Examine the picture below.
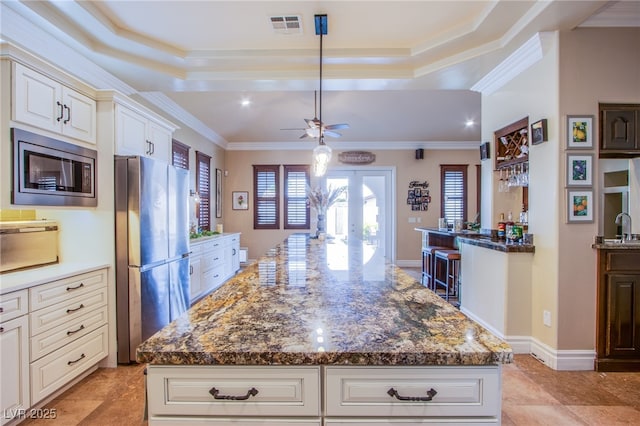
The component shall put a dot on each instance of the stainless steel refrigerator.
(152, 249)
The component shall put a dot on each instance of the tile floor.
(532, 394)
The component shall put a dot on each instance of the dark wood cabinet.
(618, 316)
(619, 127)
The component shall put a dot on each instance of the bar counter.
(274, 311)
(438, 237)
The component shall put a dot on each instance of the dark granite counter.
(474, 238)
(311, 302)
(617, 246)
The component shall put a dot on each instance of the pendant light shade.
(321, 158)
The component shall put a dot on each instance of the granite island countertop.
(312, 302)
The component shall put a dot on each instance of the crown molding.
(516, 63)
(364, 146)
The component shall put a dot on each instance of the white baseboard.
(409, 263)
(565, 360)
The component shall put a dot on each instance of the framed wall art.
(240, 200)
(580, 170)
(484, 151)
(580, 206)
(580, 131)
(218, 193)
(539, 132)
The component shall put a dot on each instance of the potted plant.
(320, 199)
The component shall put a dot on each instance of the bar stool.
(450, 260)
(428, 265)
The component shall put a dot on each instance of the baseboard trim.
(565, 360)
(409, 263)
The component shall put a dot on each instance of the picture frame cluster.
(579, 169)
(418, 196)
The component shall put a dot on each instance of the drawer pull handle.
(77, 360)
(76, 309)
(1, 309)
(216, 395)
(76, 287)
(1, 329)
(430, 394)
(70, 332)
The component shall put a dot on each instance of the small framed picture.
(484, 151)
(580, 170)
(240, 200)
(539, 132)
(580, 206)
(580, 131)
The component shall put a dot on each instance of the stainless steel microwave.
(49, 172)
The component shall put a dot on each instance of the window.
(179, 154)
(266, 197)
(296, 207)
(203, 183)
(453, 184)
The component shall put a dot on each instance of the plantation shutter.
(266, 195)
(203, 183)
(296, 211)
(454, 192)
(179, 154)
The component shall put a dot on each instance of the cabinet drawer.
(62, 313)
(622, 260)
(213, 278)
(51, 372)
(236, 421)
(460, 391)
(290, 391)
(65, 333)
(212, 259)
(58, 291)
(14, 304)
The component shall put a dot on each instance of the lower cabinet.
(213, 261)
(618, 314)
(50, 334)
(329, 395)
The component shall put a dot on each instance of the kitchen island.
(311, 333)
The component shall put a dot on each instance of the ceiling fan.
(315, 127)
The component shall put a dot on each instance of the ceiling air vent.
(287, 24)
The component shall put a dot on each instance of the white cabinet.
(140, 134)
(14, 355)
(328, 395)
(213, 261)
(47, 104)
(68, 330)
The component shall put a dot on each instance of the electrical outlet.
(546, 318)
(412, 220)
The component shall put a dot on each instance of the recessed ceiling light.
(469, 123)
(245, 102)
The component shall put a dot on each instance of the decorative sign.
(356, 157)
(418, 196)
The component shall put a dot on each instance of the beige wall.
(596, 65)
(240, 178)
(533, 94)
(579, 69)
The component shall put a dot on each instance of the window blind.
(454, 192)
(296, 211)
(266, 195)
(179, 154)
(203, 183)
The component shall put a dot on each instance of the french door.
(364, 217)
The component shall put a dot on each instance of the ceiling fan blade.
(304, 135)
(337, 126)
(294, 128)
(332, 134)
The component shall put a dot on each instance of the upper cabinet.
(42, 102)
(619, 126)
(140, 134)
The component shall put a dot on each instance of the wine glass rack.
(512, 144)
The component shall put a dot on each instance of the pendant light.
(322, 152)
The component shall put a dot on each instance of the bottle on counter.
(502, 228)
